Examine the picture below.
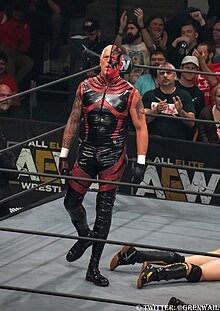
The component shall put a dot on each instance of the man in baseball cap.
(91, 25)
(93, 42)
(187, 83)
(190, 60)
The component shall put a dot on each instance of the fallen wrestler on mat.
(172, 266)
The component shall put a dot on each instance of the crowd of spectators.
(192, 44)
(189, 41)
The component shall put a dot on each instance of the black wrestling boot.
(93, 274)
(175, 303)
(170, 272)
(128, 255)
(79, 248)
(105, 201)
(77, 212)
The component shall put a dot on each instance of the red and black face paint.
(111, 61)
(115, 59)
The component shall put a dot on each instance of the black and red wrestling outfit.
(102, 153)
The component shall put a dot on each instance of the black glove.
(64, 167)
(138, 173)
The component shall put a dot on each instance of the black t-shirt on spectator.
(168, 127)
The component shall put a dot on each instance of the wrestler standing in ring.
(106, 103)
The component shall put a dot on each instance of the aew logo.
(39, 157)
(177, 178)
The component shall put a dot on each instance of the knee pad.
(195, 274)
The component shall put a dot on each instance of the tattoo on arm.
(139, 109)
(73, 122)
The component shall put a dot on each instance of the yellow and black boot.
(170, 272)
(129, 255)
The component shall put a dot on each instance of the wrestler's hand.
(64, 167)
(138, 173)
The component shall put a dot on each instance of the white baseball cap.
(190, 59)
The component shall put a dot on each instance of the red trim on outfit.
(115, 112)
(113, 173)
(115, 134)
(80, 185)
(91, 107)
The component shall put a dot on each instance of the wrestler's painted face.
(110, 61)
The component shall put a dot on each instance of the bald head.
(5, 91)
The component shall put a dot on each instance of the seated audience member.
(155, 25)
(138, 42)
(192, 32)
(4, 77)
(7, 160)
(9, 107)
(14, 41)
(7, 79)
(216, 39)
(210, 132)
(93, 42)
(169, 100)
(149, 81)
(205, 52)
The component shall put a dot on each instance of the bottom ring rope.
(122, 243)
(66, 295)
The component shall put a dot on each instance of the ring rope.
(162, 115)
(16, 195)
(202, 169)
(97, 67)
(114, 242)
(106, 182)
(150, 162)
(33, 138)
(207, 73)
(63, 127)
(147, 162)
(37, 88)
(67, 295)
(88, 51)
(19, 194)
